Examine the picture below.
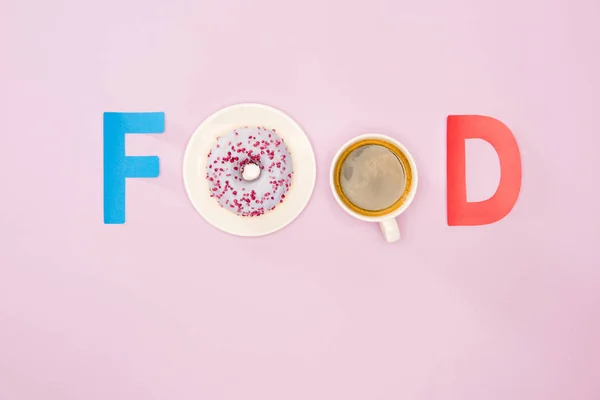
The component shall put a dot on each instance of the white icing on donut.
(249, 171)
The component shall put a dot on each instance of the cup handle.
(389, 228)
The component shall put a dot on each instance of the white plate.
(225, 121)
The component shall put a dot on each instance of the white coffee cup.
(385, 217)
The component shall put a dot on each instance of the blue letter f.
(118, 166)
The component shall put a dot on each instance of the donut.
(249, 171)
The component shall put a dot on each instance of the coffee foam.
(372, 178)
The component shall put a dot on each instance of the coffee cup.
(374, 178)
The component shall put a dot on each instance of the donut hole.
(250, 172)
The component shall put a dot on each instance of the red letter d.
(461, 212)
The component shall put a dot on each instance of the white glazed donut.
(249, 171)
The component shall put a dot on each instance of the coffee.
(372, 178)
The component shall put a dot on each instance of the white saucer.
(225, 121)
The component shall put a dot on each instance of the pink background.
(167, 307)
